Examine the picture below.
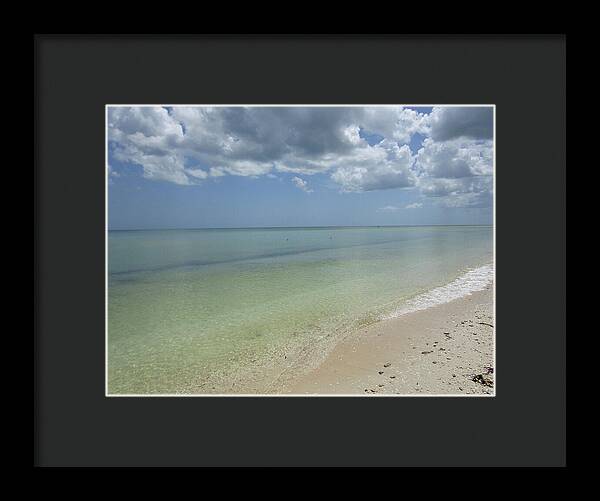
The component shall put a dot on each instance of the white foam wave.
(473, 280)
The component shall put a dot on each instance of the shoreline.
(422, 349)
(447, 349)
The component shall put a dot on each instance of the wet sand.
(443, 350)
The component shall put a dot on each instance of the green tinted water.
(221, 311)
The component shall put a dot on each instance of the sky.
(220, 167)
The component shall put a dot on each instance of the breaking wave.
(473, 280)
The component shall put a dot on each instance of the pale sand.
(437, 351)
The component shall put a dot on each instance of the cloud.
(465, 192)
(184, 145)
(472, 200)
(191, 145)
(395, 122)
(455, 159)
(301, 184)
(151, 121)
(196, 173)
(394, 208)
(468, 122)
(383, 166)
(458, 172)
(112, 172)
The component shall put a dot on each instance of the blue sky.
(194, 167)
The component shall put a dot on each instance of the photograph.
(300, 250)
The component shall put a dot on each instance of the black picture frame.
(77, 75)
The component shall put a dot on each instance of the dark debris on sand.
(481, 379)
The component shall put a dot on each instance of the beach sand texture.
(443, 350)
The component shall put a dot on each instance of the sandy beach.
(443, 350)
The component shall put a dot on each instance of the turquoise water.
(227, 310)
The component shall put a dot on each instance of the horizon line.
(294, 227)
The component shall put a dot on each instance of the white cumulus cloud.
(455, 159)
(301, 184)
(457, 171)
(186, 144)
(193, 144)
(383, 166)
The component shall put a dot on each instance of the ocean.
(240, 311)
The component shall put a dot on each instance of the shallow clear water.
(199, 311)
